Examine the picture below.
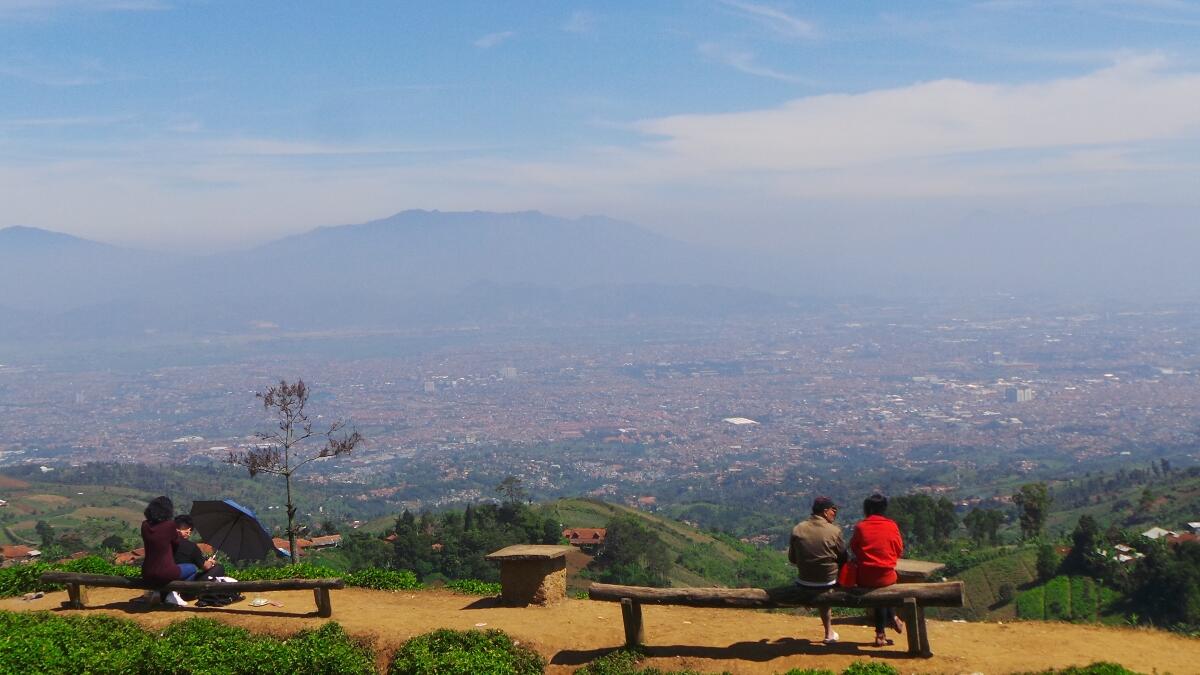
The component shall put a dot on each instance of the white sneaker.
(173, 598)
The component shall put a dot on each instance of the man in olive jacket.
(817, 551)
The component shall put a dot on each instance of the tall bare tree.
(280, 452)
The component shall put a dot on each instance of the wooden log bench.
(77, 587)
(912, 599)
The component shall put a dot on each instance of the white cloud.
(745, 62)
(492, 39)
(38, 9)
(945, 147)
(1135, 100)
(774, 18)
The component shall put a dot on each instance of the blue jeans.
(187, 571)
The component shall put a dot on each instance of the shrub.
(452, 652)
(870, 668)
(383, 580)
(474, 587)
(293, 571)
(1098, 668)
(809, 671)
(20, 579)
(619, 662)
(44, 643)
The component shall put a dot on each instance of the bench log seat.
(912, 599)
(77, 594)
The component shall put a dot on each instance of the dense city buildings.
(622, 410)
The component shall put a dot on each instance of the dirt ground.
(712, 640)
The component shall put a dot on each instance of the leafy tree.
(1085, 557)
(1048, 561)
(984, 525)
(923, 520)
(632, 554)
(45, 531)
(1033, 500)
(1167, 588)
(512, 489)
(113, 542)
(279, 452)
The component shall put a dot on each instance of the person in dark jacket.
(161, 539)
(188, 552)
(877, 546)
(817, 550)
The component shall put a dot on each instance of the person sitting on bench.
(877, 546)
(161, 539)
(187, 551)
(817, 550)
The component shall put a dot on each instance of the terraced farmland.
(984, 582)
(1077, 599)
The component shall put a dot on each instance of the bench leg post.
(631, 614)
(924, 632)
(324, 607)
(76, 596)
(911, 625)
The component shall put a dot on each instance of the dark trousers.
(883, 618)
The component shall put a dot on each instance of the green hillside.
(93, 512)
(984, 581)
(699, 559)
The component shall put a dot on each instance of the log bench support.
(912, 599)
(77, 585)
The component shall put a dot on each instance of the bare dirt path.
(712, 640)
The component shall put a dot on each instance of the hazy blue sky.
(204, 124)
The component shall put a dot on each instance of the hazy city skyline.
(765, 125)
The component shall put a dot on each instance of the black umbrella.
(232, 528)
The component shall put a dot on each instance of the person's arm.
(840, 547)
(792, 557)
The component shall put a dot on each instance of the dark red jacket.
(877, 546)
(160, 541)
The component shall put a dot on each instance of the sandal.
(897, 624)
(881, 640)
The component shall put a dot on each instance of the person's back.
(159, 537)
(877, 546)
(817, 550)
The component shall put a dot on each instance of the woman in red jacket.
(877, 546)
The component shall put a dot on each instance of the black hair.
(183, 520)
(875, 505)
(159, 509)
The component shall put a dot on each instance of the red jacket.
(877, 546)
(160, 540)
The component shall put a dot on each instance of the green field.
(1063, 598)
(91, 511)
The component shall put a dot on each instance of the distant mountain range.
(429, 267)
(416, 267)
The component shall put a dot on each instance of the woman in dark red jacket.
(160, 538)
(877, 546)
